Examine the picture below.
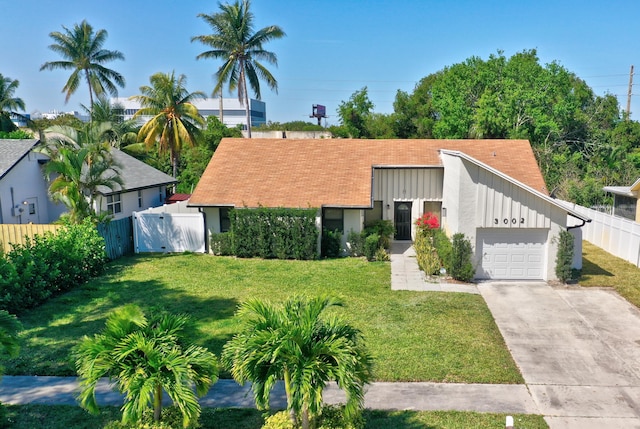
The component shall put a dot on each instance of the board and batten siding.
(502, 204)
(404, 184)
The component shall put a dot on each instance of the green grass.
(414, 336)
(602, 269)
(69, 417)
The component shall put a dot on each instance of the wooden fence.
(118, 237)
(18, 234)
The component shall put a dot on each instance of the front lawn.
(414, 336)
(69, 417)
(602, 269)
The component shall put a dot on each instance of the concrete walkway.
(578, 350)
(494, 398)
(406, 275)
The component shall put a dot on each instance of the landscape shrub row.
(48, 264)
(269, 233)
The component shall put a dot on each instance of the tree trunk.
(86, 72)
(157, 403)
(247, 107)
(305, 417)
(287, 389)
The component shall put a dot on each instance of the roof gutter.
(584, 221)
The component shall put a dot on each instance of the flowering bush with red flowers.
(427, 222)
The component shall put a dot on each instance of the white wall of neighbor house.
(23, 193)
(122, 204)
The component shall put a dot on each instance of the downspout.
(584, 222)
(206, 229)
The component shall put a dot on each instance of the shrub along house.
(490, 190)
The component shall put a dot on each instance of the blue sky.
(332, 48)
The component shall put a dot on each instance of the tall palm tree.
(174, 119)
(295, 344)
(145, 356)
(234, 42)
(121, 132)
(80, 163)
(83, 53)
(8, 103)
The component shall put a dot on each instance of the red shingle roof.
(337, 172)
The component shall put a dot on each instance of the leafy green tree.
(9, 104)
(83, 53)
(355, 114)
(80, 163)
(174, 119)
(296, 344)
(146, 356)
(241, 50)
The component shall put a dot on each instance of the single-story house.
(625, 200)
(142, 187)
(24, 190)
(490, 190)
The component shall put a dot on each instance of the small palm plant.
(145, 357)
(9, 328)
(295, 344)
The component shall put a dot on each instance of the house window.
(225, 220)
(625, 207)
(140, 199)
(374, 214)
(434, 207)
(332, 220)
(114, 204)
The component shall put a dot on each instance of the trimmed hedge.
(274, 233)
(49, 264)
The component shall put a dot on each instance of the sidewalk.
(493, 398)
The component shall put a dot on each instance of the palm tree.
(83, 53)
(145, 356)
(174, 119)
(293, 343)
(241, 49)
(80, 164)
(8, 103)
(122, 132)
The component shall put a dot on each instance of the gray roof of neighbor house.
(135, 174)
(12, 151)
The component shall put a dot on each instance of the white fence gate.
(616, 235)
(168, 232)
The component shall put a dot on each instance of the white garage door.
(511, 254)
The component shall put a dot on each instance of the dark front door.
(402, 216)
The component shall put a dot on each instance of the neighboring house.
(24, 190)
(625, 200)
(143, 187)
(490, 190)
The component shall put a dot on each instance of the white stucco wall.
(151, 197)
(28, 184)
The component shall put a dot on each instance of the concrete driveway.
(578, 350)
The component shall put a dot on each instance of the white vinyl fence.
(616, 235)
(168, 232)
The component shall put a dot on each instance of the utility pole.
(629, 93)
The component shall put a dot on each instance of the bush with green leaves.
(426, 254)
(48, 264)
(564, 257)
(274, 233)
(461, 258)
(331, 245)
(371, 246)
(221, 244)
(381, 255)
(355, 243)
(384, 228)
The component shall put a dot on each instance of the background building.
(233, 113)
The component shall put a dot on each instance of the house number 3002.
(506, 221)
